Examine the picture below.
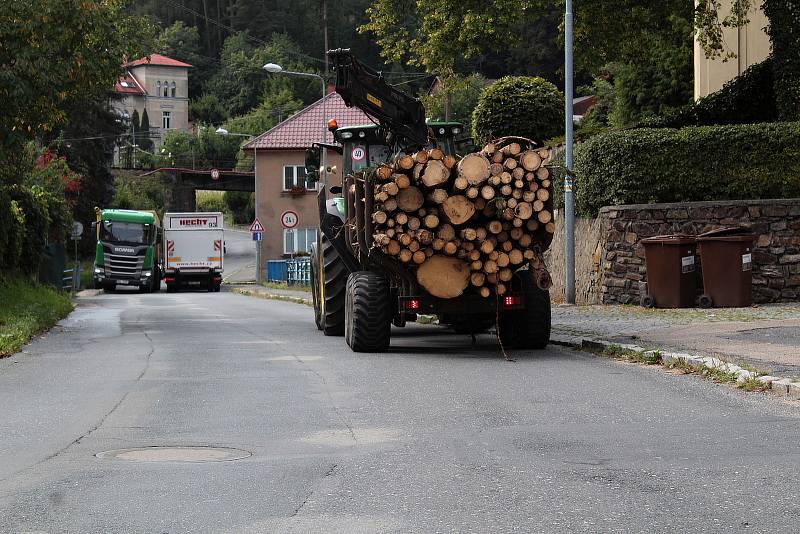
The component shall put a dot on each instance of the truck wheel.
(333, 286)
(368, 312)
(315, 287)
(528, 328)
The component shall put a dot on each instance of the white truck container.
(194, 250)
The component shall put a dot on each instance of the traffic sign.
(290, 219)
(256, 226)
(215, 174)
(77, 230)
(258, 236)
(358, 153)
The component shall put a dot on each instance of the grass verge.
(28, 308)
(720, 375)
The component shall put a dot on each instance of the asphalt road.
(436, 436)
(240, 257)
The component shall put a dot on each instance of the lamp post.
(223, 131)
(273, 68)
(569, 199)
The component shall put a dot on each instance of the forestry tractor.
(362, 285)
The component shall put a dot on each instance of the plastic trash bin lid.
(672, 239)
(727, 233)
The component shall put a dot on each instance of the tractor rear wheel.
(331, 287)
(528, 328)
(368, 312)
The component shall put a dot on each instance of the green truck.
(127, 252)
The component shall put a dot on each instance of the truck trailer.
(359, 290)
(194, 250)
(127, 251)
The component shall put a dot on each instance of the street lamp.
(274, 68)
(223, 131)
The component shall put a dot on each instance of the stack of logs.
(468, 222)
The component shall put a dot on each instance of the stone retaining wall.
(776, 257)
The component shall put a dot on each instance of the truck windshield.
(124, 232)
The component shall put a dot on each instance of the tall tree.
(55, 54)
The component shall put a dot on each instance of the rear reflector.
(411, 304)
(169, 280)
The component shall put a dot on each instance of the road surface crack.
(328, 473)
(99, 423)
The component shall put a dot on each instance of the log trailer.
(359, 290)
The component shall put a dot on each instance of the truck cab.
(127, 251)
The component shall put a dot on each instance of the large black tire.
(368, 312)
(528, 328)
(334, 274)
(315, 287)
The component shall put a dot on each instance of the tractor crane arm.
(399, 114)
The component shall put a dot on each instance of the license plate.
(124, 282)
(194, 283)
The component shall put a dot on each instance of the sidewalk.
(766, 337)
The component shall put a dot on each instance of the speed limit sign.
(290, 219)
(358, 153)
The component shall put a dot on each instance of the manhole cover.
(176, 454)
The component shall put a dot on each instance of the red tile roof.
(305, 127)
(157, 59)
(128, 84)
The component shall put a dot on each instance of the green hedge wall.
(746, 99)
(30, 217)
(694, 163)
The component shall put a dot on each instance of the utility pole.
(569, 200)
(325, 35)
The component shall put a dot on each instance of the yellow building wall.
(750, 43)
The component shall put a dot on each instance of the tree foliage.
(463, 93)
(55, 53)
(517, 105)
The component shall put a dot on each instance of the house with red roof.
(279, 156)
(160, 85)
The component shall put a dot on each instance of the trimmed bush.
(746, 99)
(695, 163)
(519, 105)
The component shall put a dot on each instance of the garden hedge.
(519, 105)
(747, 99)
(30, 217)
(647, 165)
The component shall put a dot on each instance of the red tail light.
(169, 280)
(412, 304)
(510, 301)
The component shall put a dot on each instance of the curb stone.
(777, 386)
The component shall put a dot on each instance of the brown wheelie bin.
(671, 277)
(726, 256)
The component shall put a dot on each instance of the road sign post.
(257, 231)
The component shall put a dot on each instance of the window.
(298, 240)
(295, 176)
(166, 89)
(166, 120)
(172, 89)
(158, 88)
